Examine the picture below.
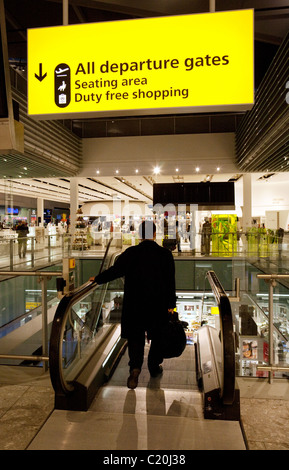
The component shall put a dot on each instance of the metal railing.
(217, 244)
(15, 251)
(43, 277)
(271, 280)
(253, 243)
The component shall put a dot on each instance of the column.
(73, 203)
(8, 210)
(40, 211)
(247, 202)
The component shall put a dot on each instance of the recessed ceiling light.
(157, 170)
(177, 169)
(136, 170)
(218, 169)
(97, 172)
(116, 171)
(197, 169)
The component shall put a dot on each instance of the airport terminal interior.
(98, 133)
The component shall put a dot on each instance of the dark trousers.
(136, 344)
(22, 246)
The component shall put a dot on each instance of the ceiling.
(138, 188)
(271, 26)
(271, 16)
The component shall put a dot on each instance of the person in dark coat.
(22, 231)
(149, 294)
(206, 237)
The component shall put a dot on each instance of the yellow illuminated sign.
(71, 263)
(186, 63)
(215, 311)
(31, 305)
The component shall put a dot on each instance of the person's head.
(147, 230)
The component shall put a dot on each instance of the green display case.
(224, 234)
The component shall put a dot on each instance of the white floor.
(160, 414)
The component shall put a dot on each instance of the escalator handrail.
(227, 339)
(60, 385)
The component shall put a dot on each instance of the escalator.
(193, 405)
(85, 349)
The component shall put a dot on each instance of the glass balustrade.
(32, 251)
(88, 321)
(21, 303)
(40, 248)
(21, 309)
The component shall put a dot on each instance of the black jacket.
(22, 230)
(149, 289)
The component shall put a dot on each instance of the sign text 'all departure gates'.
(179, 64)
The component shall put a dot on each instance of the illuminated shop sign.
(13, 210)
(189, 63)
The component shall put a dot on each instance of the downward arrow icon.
(40, 77)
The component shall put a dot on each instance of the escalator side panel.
(214, 407)
(97, 372)
(75, 377)
(207, 362)
(210, 376)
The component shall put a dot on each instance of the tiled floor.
(27, 419)
(26, 401)
(265, 413)
(156, 415)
